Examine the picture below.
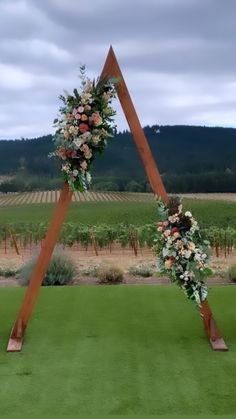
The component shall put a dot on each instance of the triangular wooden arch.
(111, 69)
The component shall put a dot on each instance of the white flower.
(188, 254)
(78, 142)
(96, 139)
(173, 218)
(75, 172)
(197, 257)
(165, 252)
(188, 214)
(86, 98)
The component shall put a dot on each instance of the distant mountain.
(177, 150)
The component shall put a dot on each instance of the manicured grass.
(118, 350)
(216, 213)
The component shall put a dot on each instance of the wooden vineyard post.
(111, 70)
(15, 243)
(40, 268)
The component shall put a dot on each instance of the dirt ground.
(87, 262)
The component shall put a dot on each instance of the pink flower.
(83, 128)
(70, 153)
(84, 117)
(85, 148)
(80, 109)
(87, 108)
(77, 116)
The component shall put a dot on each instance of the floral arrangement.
(83, 127)
(183, 254)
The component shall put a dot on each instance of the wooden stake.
(14, 243)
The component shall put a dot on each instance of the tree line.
(190, 159)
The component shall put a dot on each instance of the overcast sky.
(177, 56)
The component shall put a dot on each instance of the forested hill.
(177, 149)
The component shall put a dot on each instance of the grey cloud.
(177, 57)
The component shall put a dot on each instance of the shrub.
(110, 275)
(232, 272)
(92, 271)
(61, 271)
(8, 272)
(141, 270)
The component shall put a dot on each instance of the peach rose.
(83, 165)
(96, 119)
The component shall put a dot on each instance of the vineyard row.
(104, 236)
(53, 196)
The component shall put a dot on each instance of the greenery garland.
(83, 127)
(182, 253)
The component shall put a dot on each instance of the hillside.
(190, 158)
(177, 149)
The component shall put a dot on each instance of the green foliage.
(61, 271)
(125, 223)
(24, 183)
(110, 275)
(209, 213)
(144, 270)
(212, 149)
(232, 272)
(105, 186)
(8, 272)
(92, 271)
(134, 186)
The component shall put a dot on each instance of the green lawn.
(117, 350)
(216, 213)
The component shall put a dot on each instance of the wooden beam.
(215, 338)
(40, 268)
(112, 69)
